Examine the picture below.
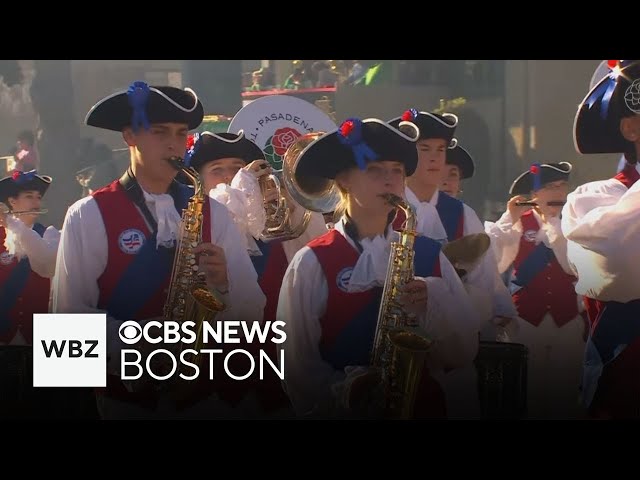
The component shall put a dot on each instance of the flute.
(553, 203)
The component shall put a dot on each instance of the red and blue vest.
(22, 293)
(542, 285)
(349, 323)
(612, 358)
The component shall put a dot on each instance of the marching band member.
(529, 239)
(27, 256)
(117, 243)
(459, 165)
(332, 289)
(459, 220)
(600, 222)
(230, 165)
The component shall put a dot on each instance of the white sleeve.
(82, 258)
(450, 320)
(486, 275)
(302, 302)
(253, 202)
(245, 299)
(41, 251)
(243, 199)
(505, 240)
(603, 222)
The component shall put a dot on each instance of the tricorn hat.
(596, 127)
(207, 146)
(142, 105)
(460, 157)
(19, 181)
(538, 176)
(431, 125)
(357, 142)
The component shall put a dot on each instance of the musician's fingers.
(414, 286)
(208, 249)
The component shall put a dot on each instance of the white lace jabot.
(166, 215)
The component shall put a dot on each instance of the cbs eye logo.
(130, 332)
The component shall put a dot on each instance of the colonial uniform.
(243, 198)
(600, 222)
(27, 263)
(542, 283)
(117, 251)
(332, 289)
(459, 220)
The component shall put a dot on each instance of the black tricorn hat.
(538, 176)
(208, 146)
(18, 182)
(596, 127)
(460, 157)
(431, 125)
(142, 105)
(357, 142)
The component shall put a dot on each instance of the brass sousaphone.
(282, 126)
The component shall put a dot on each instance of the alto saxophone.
(189, 299)
(399, 348)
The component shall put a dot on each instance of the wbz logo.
(69, 350)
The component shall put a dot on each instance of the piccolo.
(4, 209)
(554, 203)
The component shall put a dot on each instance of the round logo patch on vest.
(530, 235)
(342, 280)
(131, 241)
(6, 258)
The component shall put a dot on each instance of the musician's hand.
(547, 212)
(414, 296)
(213, 263)
(258, 168)
(514, 210)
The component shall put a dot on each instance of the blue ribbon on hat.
(191, 151)
(138, 96)
(350, 134)
(604, 91)
(537, 176)
(24, 177)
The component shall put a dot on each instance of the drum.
(502, 380)
(20, 400)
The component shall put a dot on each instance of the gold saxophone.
(399, 348)
(189, 299)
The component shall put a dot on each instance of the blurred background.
(512, 112)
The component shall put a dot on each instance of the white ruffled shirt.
(601, 222)
(164, 212)
(23, 241)
(243, 199)
(485, 277)
(313, 385)
(506, 234)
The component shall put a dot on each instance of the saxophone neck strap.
(134, 192)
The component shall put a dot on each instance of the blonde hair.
(343, 204)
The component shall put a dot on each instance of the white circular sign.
(274, 122)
